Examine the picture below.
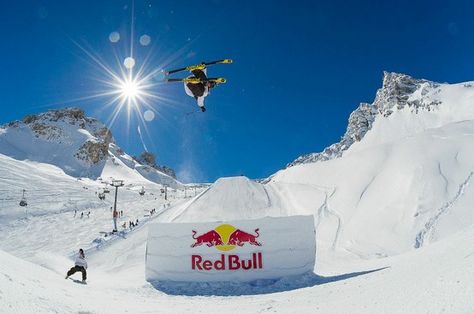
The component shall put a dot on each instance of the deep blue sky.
(300, 68)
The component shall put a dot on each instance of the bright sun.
(129, 89)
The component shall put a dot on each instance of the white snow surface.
(393, 215)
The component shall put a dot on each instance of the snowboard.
(200, 66)
(78, 281)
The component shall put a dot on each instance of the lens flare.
(129, 89)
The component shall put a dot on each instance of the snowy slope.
(443, 274)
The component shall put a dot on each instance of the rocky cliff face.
(398, 91)
(149, 159)
(56, 125)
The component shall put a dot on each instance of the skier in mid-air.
(199, 90)
(80, 264)
(198, 85)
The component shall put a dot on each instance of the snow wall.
(241, 250)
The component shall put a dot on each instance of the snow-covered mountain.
(79, 145)
(401, 176)
(397, 92)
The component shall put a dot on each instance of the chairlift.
(23, 200)
(106, 190)
(101, 196)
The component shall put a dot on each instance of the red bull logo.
(226, 238)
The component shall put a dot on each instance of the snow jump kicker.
(245, 250)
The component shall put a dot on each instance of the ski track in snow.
(446, 182)
(324, 209)
(269, 201)
(430, 225)
(365, 190)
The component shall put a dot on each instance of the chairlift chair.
(23, 200)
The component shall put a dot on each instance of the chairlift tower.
(116, 184)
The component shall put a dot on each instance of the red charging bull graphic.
(224, 238)
(211, 238)
(239, 237)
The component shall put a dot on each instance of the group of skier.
(82, 214)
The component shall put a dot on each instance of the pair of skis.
(201, 66)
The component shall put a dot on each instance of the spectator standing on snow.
(80, 264)
(82, 214)
(75, 212)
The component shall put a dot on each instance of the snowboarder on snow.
(199, 90)
(80, 264)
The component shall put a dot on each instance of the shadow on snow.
(262, 286)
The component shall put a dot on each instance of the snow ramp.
(233, 198)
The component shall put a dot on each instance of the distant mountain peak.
(397, 92)
(148, 159)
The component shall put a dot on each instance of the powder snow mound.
(232, 198)
(81, 146)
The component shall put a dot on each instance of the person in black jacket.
(199, 90)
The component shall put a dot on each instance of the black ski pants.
(75, 269)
